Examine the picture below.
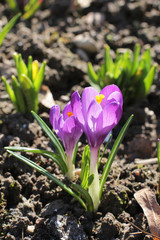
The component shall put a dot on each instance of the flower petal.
(71, 133)
(67, 109)
(89, 94)
(111, 92)
(54, 116)
(77, 107)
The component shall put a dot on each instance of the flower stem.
(94, 187)
(71, 167)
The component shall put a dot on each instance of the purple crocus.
(97, 114)
(67, 129)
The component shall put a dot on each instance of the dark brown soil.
(33, 207)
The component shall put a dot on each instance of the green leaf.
(8, 27)
(40, 76)
(85, 160)
(135, 59)
(31, 96)
(56, 158)
(106, 145)
(51, 136)
(148, 80)
(49, 175)
(74, 153)
(20, 66)
(85, 195)
(19, 95)
(10, 92)
(12, 4)
(113, 154)
(29, 67)
(29, 5)
(90, 179)
(32, 10)
(91, 73)
(147, 58)
(84, 183)
(108, 60)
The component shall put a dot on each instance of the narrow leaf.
(12, 4)
(85, 195)
(51, 135)
(39, 78)
(91, 73)
(85, 160)
(10, 92)
(31, 96)
(108, 60)
(147, 200)
(8, 27)
(149, 79)
(113, 154)
(74, 154)
(135, 59)
(56, 158)
(19, 95)
(49, 175)
(29, 66)
(32, 10)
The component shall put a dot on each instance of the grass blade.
(113, 153)
(8, 27)
(10, 92)
(135, 59)
(85, 195)
(108, 60)
(40, 76)
(91, 73)
(12, 4)
(29, 66)
(85, 160)
(19, 96)
(56, 158)
(49, 175)
(149, 79)
(51, 136)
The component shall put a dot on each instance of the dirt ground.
(31, 206)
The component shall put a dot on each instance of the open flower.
(97, 114)
(67, 129)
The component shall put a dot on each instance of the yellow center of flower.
(69, 114)
(99, 98)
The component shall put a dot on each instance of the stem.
(71, 167)
(94, 187)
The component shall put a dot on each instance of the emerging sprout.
(28, 9)
(133, 74)
(25, 88)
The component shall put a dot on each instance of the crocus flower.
(66, 128)
(97, 114)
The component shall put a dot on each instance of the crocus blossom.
(97, 114)
(66, 128)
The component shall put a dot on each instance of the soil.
(33, 207)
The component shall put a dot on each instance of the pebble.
(82, 54)
(30, 229)
(86, 43)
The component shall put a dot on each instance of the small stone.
(82, 54)
(86, 43)
(46, 98)
(30, 229)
